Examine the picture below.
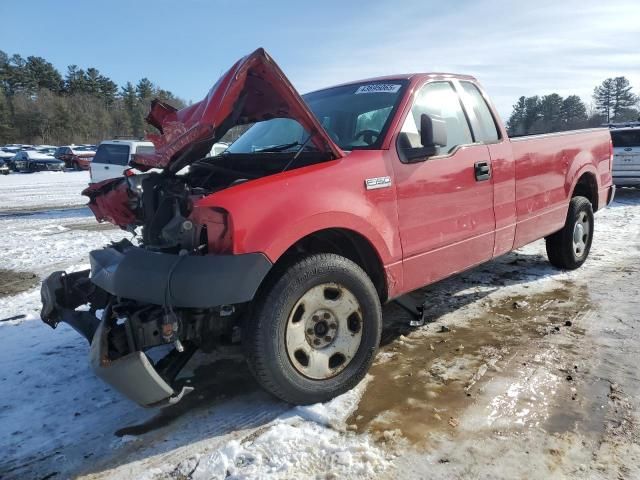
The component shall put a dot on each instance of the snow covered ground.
(44, 190)
(524, 372)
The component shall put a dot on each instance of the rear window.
(112, 154)
(144, 149)
(626, 138)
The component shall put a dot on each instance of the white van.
(113, 157)
(626, 155)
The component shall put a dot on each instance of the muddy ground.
(12, 282)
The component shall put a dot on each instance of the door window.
(441, 102)
(484, 126)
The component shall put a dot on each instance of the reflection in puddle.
(425, 382)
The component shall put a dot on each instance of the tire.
(568, 248)
(283, 330)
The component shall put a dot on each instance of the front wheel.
(315, 330)
(569, 248)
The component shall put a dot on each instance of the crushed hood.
(253, 90)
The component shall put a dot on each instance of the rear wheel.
(569, 248)
(315, 330)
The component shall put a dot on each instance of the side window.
(441, 102)
(484, 126)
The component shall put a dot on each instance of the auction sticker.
(378, 88)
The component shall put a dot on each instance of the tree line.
(613, 101)
(40, 105)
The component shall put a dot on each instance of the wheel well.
(587, 187)
(343, 242)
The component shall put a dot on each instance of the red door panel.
(446, 217)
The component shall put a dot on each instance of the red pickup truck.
(327, 207)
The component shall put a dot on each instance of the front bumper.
(184, 281)
(149, 277)
(132, 375)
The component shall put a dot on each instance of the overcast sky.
(514, 48)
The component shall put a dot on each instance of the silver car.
(626, 155)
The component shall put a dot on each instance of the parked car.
(113, 157)
(28, 161)
(7, 153)
(318, 214)
(626, 155)
(4, 167)
(75, 157)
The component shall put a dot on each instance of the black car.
(31, 161)
(4, 167)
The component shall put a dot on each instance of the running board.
(415, 309)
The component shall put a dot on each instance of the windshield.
(626, 138)
(356, 116)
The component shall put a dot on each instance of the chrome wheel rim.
(581, 231)
(324, 331)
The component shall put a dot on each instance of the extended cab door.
(445, 202)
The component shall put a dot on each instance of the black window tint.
(483, 124)
(441, 102)
(626, 138)
(112, 154)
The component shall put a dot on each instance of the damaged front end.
(178, 290)
(181, 287)
(149, 299)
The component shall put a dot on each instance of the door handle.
(106, 168)
(482, 171)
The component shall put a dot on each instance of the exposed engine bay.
(167, 287)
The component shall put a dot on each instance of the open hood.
(253, 90)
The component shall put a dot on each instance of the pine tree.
(515, 124)
(145, 89)
(603, 98)
(550, 109)
(532, 115)
(134, 109)
(75, 81)
(6, 127)
(43, 74)
(623, 100)
(573, 113)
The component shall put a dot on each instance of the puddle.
(12, 282)
(424, 382)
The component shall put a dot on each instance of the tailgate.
(626, 149)
(627, 158)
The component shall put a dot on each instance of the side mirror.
(433, 131)
(433, 134)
